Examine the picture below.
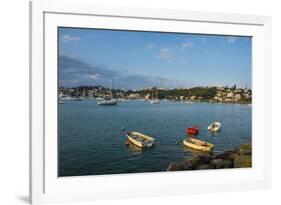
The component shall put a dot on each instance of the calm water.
(91, 141)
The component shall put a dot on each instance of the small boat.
(192, 130)
(65, 98)
(140, 140)
(99, 98)
(198, 144)
(155, 101)
(75, 99)
(214, 127)
(107, 102)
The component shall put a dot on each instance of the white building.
(237, 97)
(230, 95)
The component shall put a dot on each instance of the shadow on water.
(137, 150)
(193, 152)
(134, 149)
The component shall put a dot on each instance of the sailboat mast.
(124, 93)
(156, 93)
(152, 94)
(110, 93)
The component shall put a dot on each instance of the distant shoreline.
(195, 94)
(187, 102)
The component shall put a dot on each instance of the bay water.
(91, 140)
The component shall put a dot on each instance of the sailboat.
(155, 101)
(108, 101)
(76, 97)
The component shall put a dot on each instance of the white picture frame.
(46, 187)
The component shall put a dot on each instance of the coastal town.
(211, 94)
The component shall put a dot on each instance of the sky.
(136, 60)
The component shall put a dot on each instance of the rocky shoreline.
(240, 157)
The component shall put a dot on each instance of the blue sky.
(135, 60)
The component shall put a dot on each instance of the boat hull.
(140, 140)
(192, 130)
(107, 102)
(198, 145)
(214, 127)
(155, 102)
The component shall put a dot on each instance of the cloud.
(187, 45)
(138, 81)
(165, 54)
(231, 39)
(149, 46)
(95, 76)
(204, 40)
(67, 38)
(75, 72)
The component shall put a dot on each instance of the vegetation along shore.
(222, 94)
(240, 157)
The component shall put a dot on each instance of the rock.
(237, 158)
(228, 164)
(204, 166)
(174, 166)
(244, 157)
(217, 163)
(228, 155)
(180, 166)
(201, 159)
(245, 149)
(188, 165)
(242, 161)
(221, 164)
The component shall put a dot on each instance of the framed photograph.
(129, 102)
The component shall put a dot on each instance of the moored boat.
(107, 102)
(75, 99)
(193, 130)
(65, 98)
(140, 140)
(214, 127)
(155, 101)
(99, 98)
(198, 144)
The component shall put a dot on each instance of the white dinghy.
(214, 127)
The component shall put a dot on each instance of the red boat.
(192, 130)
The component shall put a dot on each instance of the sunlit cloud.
(149, 46)
(67, 38)
(165, 54)
(75, 72)
(94, 76)
(204, 40)
(231, 39)
(187, 45)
